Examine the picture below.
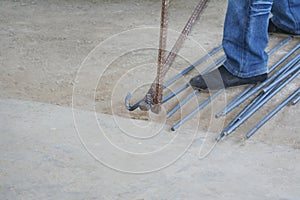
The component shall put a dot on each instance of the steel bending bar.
(185, 71)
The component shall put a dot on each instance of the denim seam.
(297, 25)
(244, 53)
(292, 13)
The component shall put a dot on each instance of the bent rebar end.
(127, 103)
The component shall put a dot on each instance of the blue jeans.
(246, 32)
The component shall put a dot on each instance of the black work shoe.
(221, 78)
(273, 29)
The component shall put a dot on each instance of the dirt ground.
(88, 54)
(45, 44)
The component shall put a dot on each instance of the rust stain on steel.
(161, 53)
(156, 88)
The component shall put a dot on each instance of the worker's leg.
(244, 41)
(246, 37)
(286, 15)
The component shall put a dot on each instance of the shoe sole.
(207, 90)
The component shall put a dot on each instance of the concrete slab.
(43, 157)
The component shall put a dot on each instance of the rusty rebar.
(157, 97)
(156, 87)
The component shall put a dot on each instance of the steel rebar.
(265, 93)
(200, 107)
(218, 92)
(191, 67)
(245, 91)
(240, 99)
(185, 100)
(261, 103)
(157, 97)
(250, 107)
(173, 53)
(259, 87)
(181, 103)
(282, 77)
(172, 80)
(296, 100)
(271, 114)
(176, 92)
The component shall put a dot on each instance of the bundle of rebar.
(264, 91)
(273, 86)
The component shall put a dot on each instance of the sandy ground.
(89, 54)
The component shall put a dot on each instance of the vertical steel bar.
(185, 32)
(157, 96)
(171, 57)
(185, 71)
